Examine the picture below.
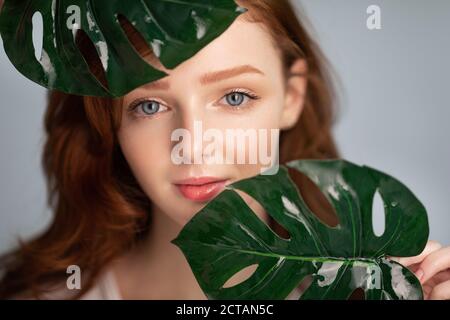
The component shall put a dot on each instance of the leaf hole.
(314, 198)
(279, 229)
(357, 294)
(37, 34)
(138, 42)
(266, 218)
(297, 292)
(378, 215)
(90, 55)
(240, 276)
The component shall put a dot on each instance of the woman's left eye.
(238, 98)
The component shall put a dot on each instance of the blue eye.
(150, 107)
(146, 108)
(235, 98)
(238, 98)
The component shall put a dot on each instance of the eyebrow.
(210, 77)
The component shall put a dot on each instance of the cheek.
(143, 147)
(151, 167)
(262, 114)
(261, 124)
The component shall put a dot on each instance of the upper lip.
(198, 181)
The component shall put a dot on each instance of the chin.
(184, 216)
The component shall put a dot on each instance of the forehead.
(243, 43)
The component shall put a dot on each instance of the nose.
(190, 125)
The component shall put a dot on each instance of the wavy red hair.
(100, 211)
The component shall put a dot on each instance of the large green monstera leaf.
(227, 236)
(175, 29)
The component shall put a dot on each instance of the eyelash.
(246, 93)
(132, 108)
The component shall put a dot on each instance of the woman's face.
(235, 83)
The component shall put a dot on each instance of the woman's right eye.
(147, 107)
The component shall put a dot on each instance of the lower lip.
(201, 193)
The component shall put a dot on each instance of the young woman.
(119, 198)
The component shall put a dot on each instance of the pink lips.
(201, 189)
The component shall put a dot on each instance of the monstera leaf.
(175, 30)
(227, 236)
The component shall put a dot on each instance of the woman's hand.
(432, 268)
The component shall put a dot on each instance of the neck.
(166, 271)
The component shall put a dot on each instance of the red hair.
(100, 211)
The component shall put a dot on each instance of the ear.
(296, 86)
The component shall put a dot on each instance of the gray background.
(394, 108)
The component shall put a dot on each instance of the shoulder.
(105, 288)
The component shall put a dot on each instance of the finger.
(414, 267)
(440, 292)
(434, 263)
(426, 291)
(440, 277)
(431, 246)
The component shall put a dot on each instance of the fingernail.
(419, 274)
